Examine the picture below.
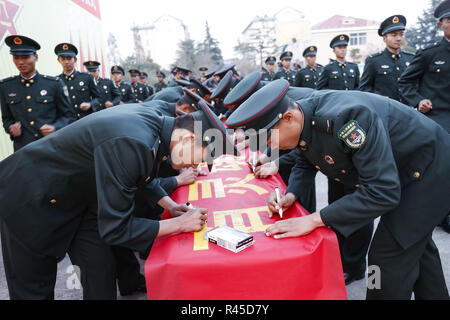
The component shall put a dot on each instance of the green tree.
(144, 65)
(186, 54)
(210, 47)
(426, 31)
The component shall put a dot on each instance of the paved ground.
(356, 291)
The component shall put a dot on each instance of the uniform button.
(28, 97)
(357, 185)
(343, 171)
(71, 88)
(318, 168)
(164, 159)
(337, 180)
(27, 85)
(36, 135)
(45, 101)
(303, 143)
(32, 123)
(76, 106)
(385, 72)
(53, 201)
(438, 70)
(78, 115)
(345, 74)
(73, 97)
(398, 68)
(313, 123)
(12, 102)
(416, 175)
(29, 110)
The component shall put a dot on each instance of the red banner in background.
(90, 5)
(187, 267)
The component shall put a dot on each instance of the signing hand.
(266, 170)
(193, 220)
(285, 203)
(187, 176)
(295, 227)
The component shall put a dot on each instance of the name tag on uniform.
(335, 72)
(385, 67)
(12, 95)
(439, 63)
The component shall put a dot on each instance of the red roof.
(341, 22)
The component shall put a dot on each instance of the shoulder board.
(408, 53)
(375, 54)
(434, 45)
(8, 79)
(50, 77)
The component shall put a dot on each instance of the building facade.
(364, 38)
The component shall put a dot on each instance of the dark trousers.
(355, 247)
(129, 275)
(32, 276)
(416, 269)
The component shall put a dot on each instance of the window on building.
(358, 39)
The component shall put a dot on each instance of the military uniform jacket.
(140, 91)
(34, 103)
(127, 93)
(288, 75)
(82, 88)
(396, 158)
(104, 158)
(170, 94)
(159, 86)
(382, 72)
(268, 76)
(339, 76)
(428, 77)
(108, 92)
(308, 77)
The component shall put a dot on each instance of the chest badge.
(329, 160)
(105, 87)
(352, 71)
(81, 83)
(439, 63)
(43, 92)
(12, 95)
(353, 135)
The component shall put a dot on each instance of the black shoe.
(350, 277)
(140, 288)
(446, 224)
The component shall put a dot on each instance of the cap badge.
(43, 92)
(341, 38)
(395, 20)
(17, 41)
(65, 47)
(311, 49)
(329, 160)
(116, 68)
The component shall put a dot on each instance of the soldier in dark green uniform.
(143, 78)
(342, 75)
(140, 90)
(269, 73)
(203, 71)
(101, 161)
(394, 157)
(109, 93)
(309, 75)
(286, 72)
(83, 93)
(178, 73)
(382, 71)
(32, 105)
(160, 84)
(339, 74)
(425, 84)
(125, 89)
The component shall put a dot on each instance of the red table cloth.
(187, 267)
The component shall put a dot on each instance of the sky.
(227, 19)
